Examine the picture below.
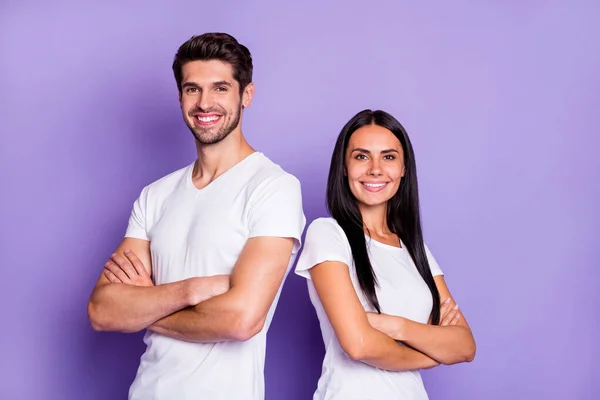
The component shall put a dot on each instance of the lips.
(374, 187)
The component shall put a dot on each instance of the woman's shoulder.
(325, 228)
(325, 241)
(325, 225)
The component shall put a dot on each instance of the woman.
(374, 284)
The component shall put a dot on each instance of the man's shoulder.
(266, 172)
(168, 182)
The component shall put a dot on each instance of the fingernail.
(113, 254)
(447, 300)
(126, 251)
(457, 316)
(456, 307)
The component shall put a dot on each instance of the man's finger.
(124, 264)
(111, 277)
(117, 271)
(136, 262)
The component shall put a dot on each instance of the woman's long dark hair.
(403, 214)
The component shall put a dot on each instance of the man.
(207, 247)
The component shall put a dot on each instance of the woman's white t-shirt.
(401, 292)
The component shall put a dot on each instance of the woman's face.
(374, 165)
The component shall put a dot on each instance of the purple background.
(502, 104)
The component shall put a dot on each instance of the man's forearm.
(240, 313)
(127, 308)
(218, 319)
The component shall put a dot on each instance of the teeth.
(207, 119)
(374, 185)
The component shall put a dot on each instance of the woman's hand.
(449, 313)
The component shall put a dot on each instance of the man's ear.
(248, 95)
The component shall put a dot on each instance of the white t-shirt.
(401, 292)
(200, 233)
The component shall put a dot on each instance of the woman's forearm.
(446, 344)
(381, 351)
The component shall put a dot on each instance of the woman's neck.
(376, 227)
(375, 219)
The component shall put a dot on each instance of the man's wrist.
(190, 291)
(199, 289)
(219, 284)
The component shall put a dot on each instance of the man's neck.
(215, 159)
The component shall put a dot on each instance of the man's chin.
(208, 139)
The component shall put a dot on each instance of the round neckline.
(384, 245)
(189, 177)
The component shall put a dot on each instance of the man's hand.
(130, 271)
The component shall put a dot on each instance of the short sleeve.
(325, 241)
(276, 210)
(136, 228)
(433, 265)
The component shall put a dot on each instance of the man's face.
(210, 100)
